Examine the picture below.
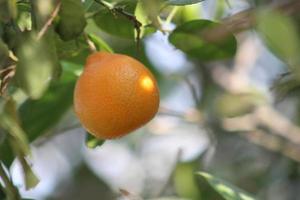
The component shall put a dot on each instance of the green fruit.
(71, 19)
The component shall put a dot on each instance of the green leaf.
(71, 19)
(194, 38)
(6, 153)
(38, 116)
(101, 45)
(8, 10)
(182, 2)
(225, 189)
(35, 67)
(281, 35)
(114, 23)
(31, 180)
(9, 121)
(233, 105)
(93, 142)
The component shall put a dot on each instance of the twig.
(273, 143)
(91, 44)
(193, 90)
(267, 117)
(247, 19)
(49, 21)
(5, 76)
(10, 190)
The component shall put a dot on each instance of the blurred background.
(237, 119)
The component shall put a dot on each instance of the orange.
(115, 95)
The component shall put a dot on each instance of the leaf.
(114, 23)
(3, 54)
(9, 121)
(31, 180)
(40, 115)
(6, 153)
(93, 142)
(195, 39)
(8, 10)
(71, 19)
(232, 105)
(182, 2)
(35, 67)
(101, 45)
(281, 35)
(225, 189)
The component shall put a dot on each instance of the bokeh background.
(236, 119)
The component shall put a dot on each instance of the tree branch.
(49, 21)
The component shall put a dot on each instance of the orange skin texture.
(115, 95)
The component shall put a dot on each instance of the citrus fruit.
(115, 95)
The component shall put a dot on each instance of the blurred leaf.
(142, 17)
(3, 54)
(38, 116)
(35, 67)
(232, 105)
(70, 49)
(101, 45)
(8, 10)
(24, 16)
(30, 178)
(225, 189)
(6, 153)
(281, 35)
(71, 19)
(10, 36)
(195, 39)
(185, 182)
(93, 142)
(9, 121)
(287, 85)
(114, 23)
(152, 10)
(187, 13)
(182, 2)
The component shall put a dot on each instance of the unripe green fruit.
(71, 21)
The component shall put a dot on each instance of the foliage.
(44, 44)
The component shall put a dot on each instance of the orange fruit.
(115, 95)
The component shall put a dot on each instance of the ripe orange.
(115, 95)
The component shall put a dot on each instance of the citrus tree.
(89, 56)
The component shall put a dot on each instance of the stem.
(49, 21)
(10, 190)
(172, 14)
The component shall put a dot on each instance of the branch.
(49, 21)
(247, 19)
(274, 144)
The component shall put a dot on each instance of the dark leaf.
(225, 189)
(195, 38)
(37, 116)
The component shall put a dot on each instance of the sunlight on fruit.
(147, 83)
